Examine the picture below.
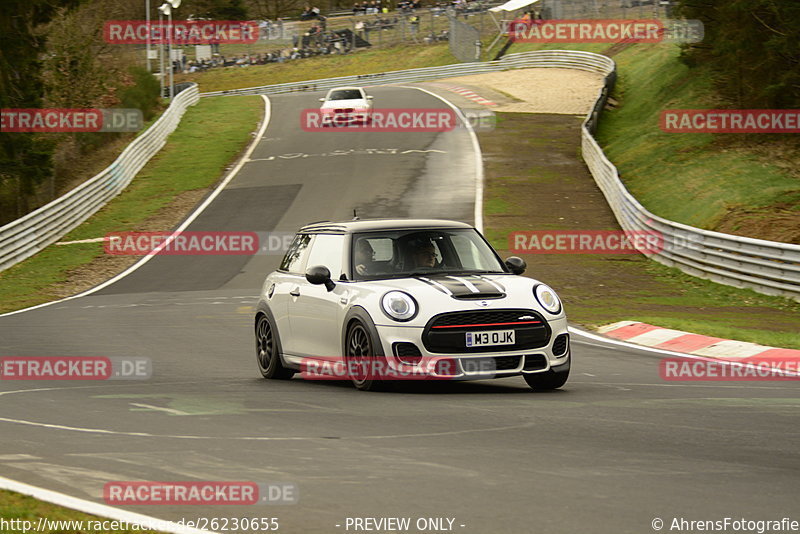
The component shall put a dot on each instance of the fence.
(28, 235)
(375, 30)
(768, 267)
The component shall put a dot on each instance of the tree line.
(53, 55)
(752, 47)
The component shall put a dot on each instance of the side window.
(327, 251)
(294, 261)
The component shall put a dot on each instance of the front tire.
(547, 380)
(268, 354)
(359, 357)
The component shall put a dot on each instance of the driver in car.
(423, 254)
(364, 256)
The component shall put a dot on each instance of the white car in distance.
(343, 106)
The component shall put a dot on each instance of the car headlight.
(399, 306)
(547, 298)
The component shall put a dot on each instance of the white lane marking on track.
(353, 152)
(259, 438)
(17, 457)
(96, 509)
(159, 408)
(476, 147)
(196, 213)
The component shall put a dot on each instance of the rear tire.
(546, 380)
(268, 353)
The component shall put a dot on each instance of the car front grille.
(343, 110)
(446, 333)
(561, 344)
(488, 365)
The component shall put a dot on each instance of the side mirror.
(319, 274)
(369, 97)
(516, 265)
(322, 100)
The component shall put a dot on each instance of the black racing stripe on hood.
(495, 285)
(436, 285)
(455, 286)
(482, 284)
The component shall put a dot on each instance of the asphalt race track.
(611, 451)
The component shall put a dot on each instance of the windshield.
(403, 253)
(345, 94)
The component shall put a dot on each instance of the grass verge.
(15, 506)
(363, 62)
(744, 184)
(209, 137)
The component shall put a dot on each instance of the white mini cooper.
(375, 301)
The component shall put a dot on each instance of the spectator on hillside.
(309, 13)
(414, 20)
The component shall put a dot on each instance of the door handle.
(295, 292)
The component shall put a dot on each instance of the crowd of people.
(326, 47)
(318, 40)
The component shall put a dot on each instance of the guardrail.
(765, 266)
(544, 58)
(768, 267)
(27, 235)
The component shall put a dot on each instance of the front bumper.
(344, 119)
(475, 366)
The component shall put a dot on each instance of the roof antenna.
(355, 215)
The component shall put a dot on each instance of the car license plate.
(490, 338)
